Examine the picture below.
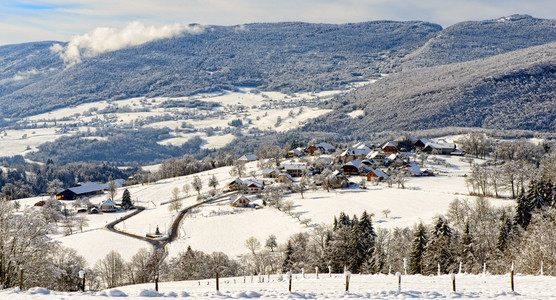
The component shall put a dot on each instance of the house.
(339, 180)
(376, 173)
(295, 169)
(355, 167)
(284, 178)
(239, 201)
(440, 148)
(389, 148)
(323, 148)
(81, 191)
(355, 154)
(235, 184)
(297, 152)
(247, 158)
(377, 157)
(270, 173)
(413, 169)
(254, 186)
(394, 160)
(368, 162)
(107, 206)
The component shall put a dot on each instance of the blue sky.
(27, 21)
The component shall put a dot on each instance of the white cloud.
(103, 39)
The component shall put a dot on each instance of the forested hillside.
(288, 57)
(508, 91)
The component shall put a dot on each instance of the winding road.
(174, 229)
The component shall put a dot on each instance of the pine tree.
(417, 250)
(368, 235)
(287, 263)
(439, 249)
(356, 249)
(126, 200)
(522, 210)
(467, 247)
(504, 233)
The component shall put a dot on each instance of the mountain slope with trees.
(508, 91)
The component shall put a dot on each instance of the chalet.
(355, 167)
(363, 145)
(394, 160)
(284, 178)
(321, 162)
(440, 148)
(354, 154)
(270, 173)
(368, 162)
(235, 184)
(339, 180)
(376, 173)
(297, 152)
(254, 186)
(239, 201)
(107, 206)
(419, 144)
(247, 158)
(81, 191)
(325, 148)
(295, 169)
(413, 169)
(389, 148)
(377, 157)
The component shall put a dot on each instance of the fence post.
(82, 276)
(438, 269)
(21, 279)
(317, 272)
(405, 266)
(348, 275)
(399, 275)
(289, 276)
(156, 283)
(453, 277)
(329, 271)
(512, 277)
(217, 282)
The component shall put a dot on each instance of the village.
(323, 165)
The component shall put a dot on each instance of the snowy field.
(219, 227)
(326, 287)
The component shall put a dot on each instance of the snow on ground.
(326, 287)
(17, 142)
(356, 113)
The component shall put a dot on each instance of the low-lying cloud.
(104, 39)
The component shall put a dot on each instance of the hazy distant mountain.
(283, 56)
(508, 91)
(452, 77)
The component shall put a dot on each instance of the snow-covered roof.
(325, 146)
(440, 145)
(379, 173)
(357, 164)
(374, 154)
(88, 188)
(414, 169)
(389, 144)
(268, 171)
(296, 152)
(108, 203)
(248, 157)
(294, 165)
(236, 198)
(356, 152)
(287, 175)
(325, 160)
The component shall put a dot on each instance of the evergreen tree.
(368, 235)
(287, 263)
(467, 247)
(439, 249)
(522, 210)
(417, 250)
(126, 200)
(505, 229)
(356, 249)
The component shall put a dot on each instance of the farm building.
(239, 201)
(81, 191)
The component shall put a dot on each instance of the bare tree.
(175, 200)
(213, 182)
(186, 187)
(197, 184)
(111, 187)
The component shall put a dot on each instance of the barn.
(81, 191)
